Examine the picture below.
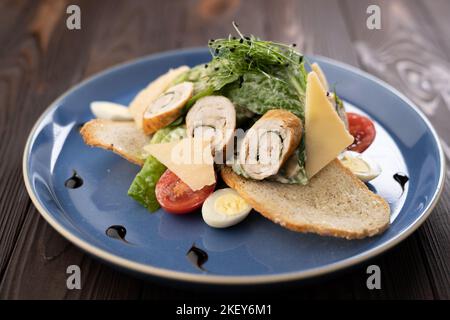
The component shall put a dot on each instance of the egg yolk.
(230, 204)
(355, 164)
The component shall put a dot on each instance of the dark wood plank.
(44, 62)
(324, 30)
(408, 53)
(42, 273)
(437, 14)
(19, 62)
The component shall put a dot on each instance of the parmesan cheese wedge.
(325, 133)
(323, 80)
(190, 159)
(146, 96)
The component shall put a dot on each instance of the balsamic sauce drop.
(402, 179)
(197, 257)
(75, 181)
(117, 232)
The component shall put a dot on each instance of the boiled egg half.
(110, 111)
(225, 208)
(362, 166)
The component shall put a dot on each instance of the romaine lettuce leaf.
(169, 134)
(260, 94)
(142, 188)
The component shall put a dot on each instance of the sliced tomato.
(362, 129)
(175, 196)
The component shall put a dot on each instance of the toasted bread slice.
(333, 203)
(121, 137)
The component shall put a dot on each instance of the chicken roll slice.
(269, 143)
(167, 107)
(212, 118)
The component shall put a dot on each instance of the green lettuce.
(142, 189)
(260, 94)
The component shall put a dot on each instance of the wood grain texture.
(30, 81)
(40, 59)
(437, 12)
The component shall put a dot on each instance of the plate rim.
(168, 274)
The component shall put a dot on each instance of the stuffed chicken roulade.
(269, 143)
(167, 107)
(214, 118)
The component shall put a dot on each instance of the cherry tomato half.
(362, 129)
(176, 197)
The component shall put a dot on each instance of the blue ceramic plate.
(255, 251)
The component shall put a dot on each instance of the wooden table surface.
(40, 59)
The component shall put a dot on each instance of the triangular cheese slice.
(323, 80)
(190, 159)
(325, 132)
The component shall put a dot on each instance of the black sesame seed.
(217, 51)
(232, 50)
(206, 66)
(216, 68)
(294, 44)
(328, 94)
(212, 40)
(246, 37)
(249, 43)
(241, 40)
(300, 59)
(233, 37)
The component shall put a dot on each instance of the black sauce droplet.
(197, 257)
(117, 232)
(402, 179)
(75, 181)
